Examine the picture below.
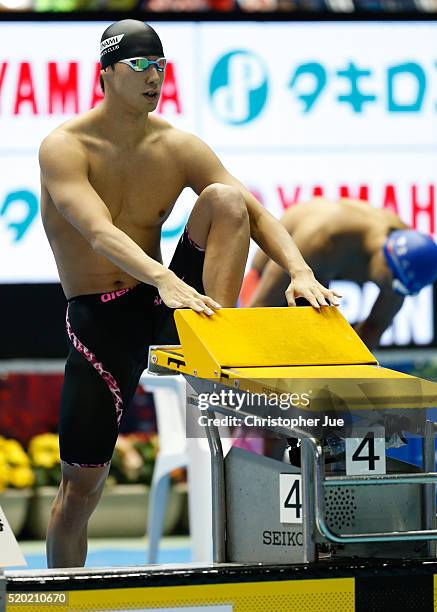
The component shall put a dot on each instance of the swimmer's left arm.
(385, 308)
(203, 168)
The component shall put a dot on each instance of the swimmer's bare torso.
(139, 185)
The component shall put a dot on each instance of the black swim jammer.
(109, 335)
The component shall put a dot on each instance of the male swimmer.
(350, 240)
(110, 178)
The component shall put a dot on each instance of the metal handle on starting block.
(425, 478)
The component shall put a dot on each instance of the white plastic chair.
(175, 451)
(169, 399)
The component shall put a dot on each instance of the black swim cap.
(128, 38)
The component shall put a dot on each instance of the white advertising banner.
(319, 85)
(294, 110)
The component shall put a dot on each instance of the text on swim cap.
(110, 42)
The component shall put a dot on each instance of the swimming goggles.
(139, 64)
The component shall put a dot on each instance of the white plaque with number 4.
(290, 498)
(365, 452)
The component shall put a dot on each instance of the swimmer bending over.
(350, 240)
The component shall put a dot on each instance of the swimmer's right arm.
(64, 172)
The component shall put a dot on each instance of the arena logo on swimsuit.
(108, 297)
(64, 86)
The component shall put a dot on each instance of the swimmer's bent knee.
(227, 201)
(219, 191)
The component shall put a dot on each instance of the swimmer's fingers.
(203, 303)
(320, 297)
(314, 297)
(196, 301)
(210, 302)
(305, 285)
(199, 305)
(188, 302)
(306, 288)
(332, 296)
(176, 293)
(196, 305)
(289, 294)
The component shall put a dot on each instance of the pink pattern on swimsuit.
(193, 244)
(98, 366)
(87, 464)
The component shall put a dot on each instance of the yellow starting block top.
(295, 348)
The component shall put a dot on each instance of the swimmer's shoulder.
(74, 133)
(173, 137)
(373, 220)
(62, 145)
(160, 131)
(317, 210)
(392, 221)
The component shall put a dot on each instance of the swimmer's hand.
(177, 294)
(305, 285)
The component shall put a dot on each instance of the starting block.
(347, 502)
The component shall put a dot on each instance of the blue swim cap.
(412, 257)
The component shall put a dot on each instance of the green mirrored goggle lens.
(142, 63)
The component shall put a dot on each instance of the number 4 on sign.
(290, 498)
(365, 454)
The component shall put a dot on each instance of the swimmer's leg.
(78, 495)
(100, 379)
(87, 435)
(219, 223)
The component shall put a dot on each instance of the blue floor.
(111, 554)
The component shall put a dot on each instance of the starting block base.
(342, 585)
(255, 530)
